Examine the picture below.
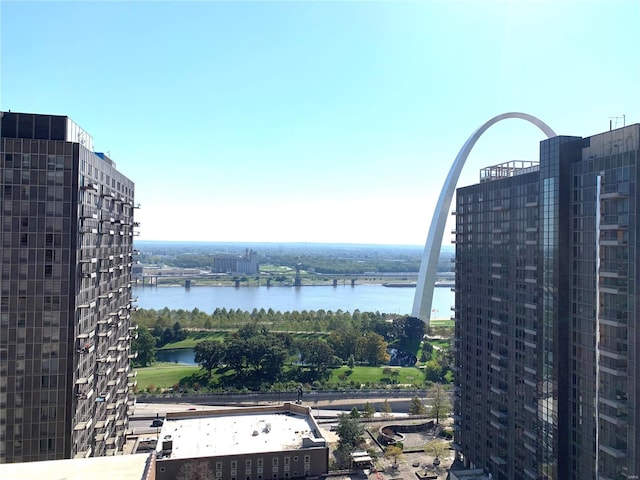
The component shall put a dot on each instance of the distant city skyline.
(323, 122)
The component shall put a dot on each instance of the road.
(325, 406)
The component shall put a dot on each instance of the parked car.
(157, 422)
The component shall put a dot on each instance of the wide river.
(366, 298)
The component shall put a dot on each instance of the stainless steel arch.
(428, 267)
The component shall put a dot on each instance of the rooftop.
(477, 474)
(508, 169)
(129, 467)
(229, 432)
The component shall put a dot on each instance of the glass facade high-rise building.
(65, 292)
(547, 329)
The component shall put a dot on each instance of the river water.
(366, 298)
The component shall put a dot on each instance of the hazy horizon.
(250, 242)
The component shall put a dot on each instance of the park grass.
(163, 375)
(443, 322)
(191, 340)
(441, 344)
(360, 375)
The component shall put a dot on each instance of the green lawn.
(191, 340)
(163, 374)
(441, 323)
(375, 374)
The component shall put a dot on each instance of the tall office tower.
(547, 330)
(65, 292)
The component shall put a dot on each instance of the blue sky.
(315, 121)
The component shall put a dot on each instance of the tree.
(209, 354)
(145, 345)
(436, 448)
(408, 329)
(257, 352)
(373, 349)
(386, 408)
(351, 362)
(427, 349)
(440, 403)
(416, 407)
(433, 371)
(445, 358)
(178, 332)
(349, 431)
(368, 410)
(354, 413)
(317, 353)
(344, 342)
(393, 452)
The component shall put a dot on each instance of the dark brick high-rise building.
(65, 292)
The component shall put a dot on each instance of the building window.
(307, 459)
(234, 464)
(219, 465)
(248, 463)
(260, 462)
(286, 460)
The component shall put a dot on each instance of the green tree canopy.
(374, 349)
(437, 448)
(416, 407)
(257, 352)
(317, 353)
(368, 410)
(440, 403)
(209, 354)
(433, 371)
(349, 430)
(145, 345)
(393, 452)
(386, 408)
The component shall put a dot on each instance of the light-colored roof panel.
(128, 467)
(236, 433)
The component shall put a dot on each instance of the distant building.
(65, 292)
(547, 334)
(246, 264)
(254, 443)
